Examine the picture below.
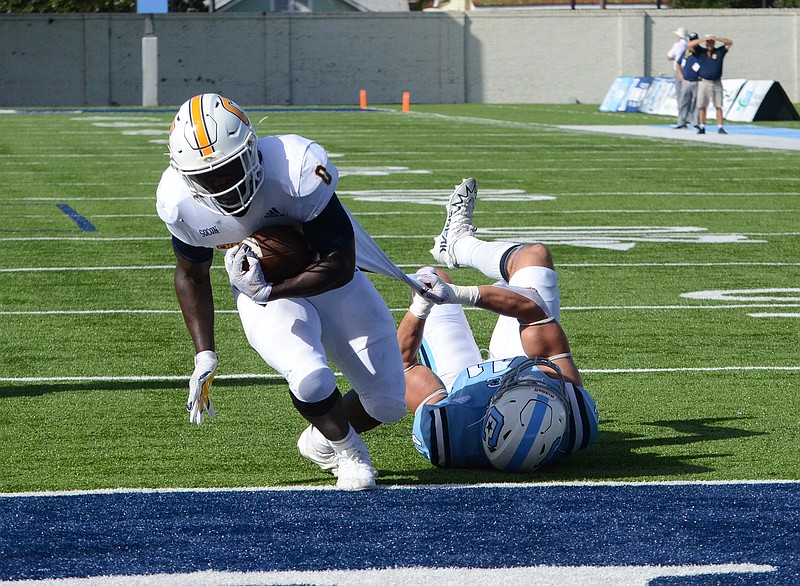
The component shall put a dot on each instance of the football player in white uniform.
(455, 394)
(222, 185)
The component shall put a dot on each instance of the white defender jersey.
(299, 181)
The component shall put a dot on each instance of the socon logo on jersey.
(204, 232)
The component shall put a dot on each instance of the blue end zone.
(605, 526)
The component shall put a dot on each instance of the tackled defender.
(526, 406)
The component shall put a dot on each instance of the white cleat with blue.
(458, 224)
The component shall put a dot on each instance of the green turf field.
(95, 357)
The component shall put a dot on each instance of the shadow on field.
(645, 450)
(615, 456)
(44, 388)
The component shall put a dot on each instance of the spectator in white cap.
(674, 55)
(688, 68)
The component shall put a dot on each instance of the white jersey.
(349, 327)
(448, 346)
(299, 181)
(537, 283)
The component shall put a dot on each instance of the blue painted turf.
(83, 224)
(47, 537)
(763, 131)
(745, 130)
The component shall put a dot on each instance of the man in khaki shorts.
(710, 83)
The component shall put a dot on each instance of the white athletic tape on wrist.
(464, 295)
(420, 307)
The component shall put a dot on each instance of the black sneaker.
(701, 131)
(680, 126)
(723, 131)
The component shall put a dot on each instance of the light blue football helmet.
(526, 419)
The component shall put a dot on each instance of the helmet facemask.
(214, 148)
(226, 188)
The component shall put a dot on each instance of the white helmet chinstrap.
(213, 146)
(526, 419)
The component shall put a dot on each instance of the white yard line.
(399, 487)
(273, 376)
(415, 265)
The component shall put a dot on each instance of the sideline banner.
(651, 95)
(743, 100)
(635, 95)
(730, 89)
(661, 98)
(761, 99)
(616, 94)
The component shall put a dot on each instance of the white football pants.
(448, 344)
(350, 326)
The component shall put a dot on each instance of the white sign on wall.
(742, 100)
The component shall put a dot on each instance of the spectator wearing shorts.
(709, 86)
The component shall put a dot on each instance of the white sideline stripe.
(515, 213)
(400, 487)
(792, 315)
(415, 265)
(85, 239)
(171, 378)
(670, 307)
(566, 194)
(412, 576)
(679, 264)
(650, 132)
(404, 309)
(134, 378)
(688, 369)
(108, 311)
(162, 239)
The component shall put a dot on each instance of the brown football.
(282, 250)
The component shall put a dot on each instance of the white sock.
(319, 441)
(352, 441)
(483, 256)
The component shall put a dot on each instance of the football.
(282, 251)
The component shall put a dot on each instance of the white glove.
(432, 287)
(205, 366)
(440, 292)
(244, 273)
(421, 306)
